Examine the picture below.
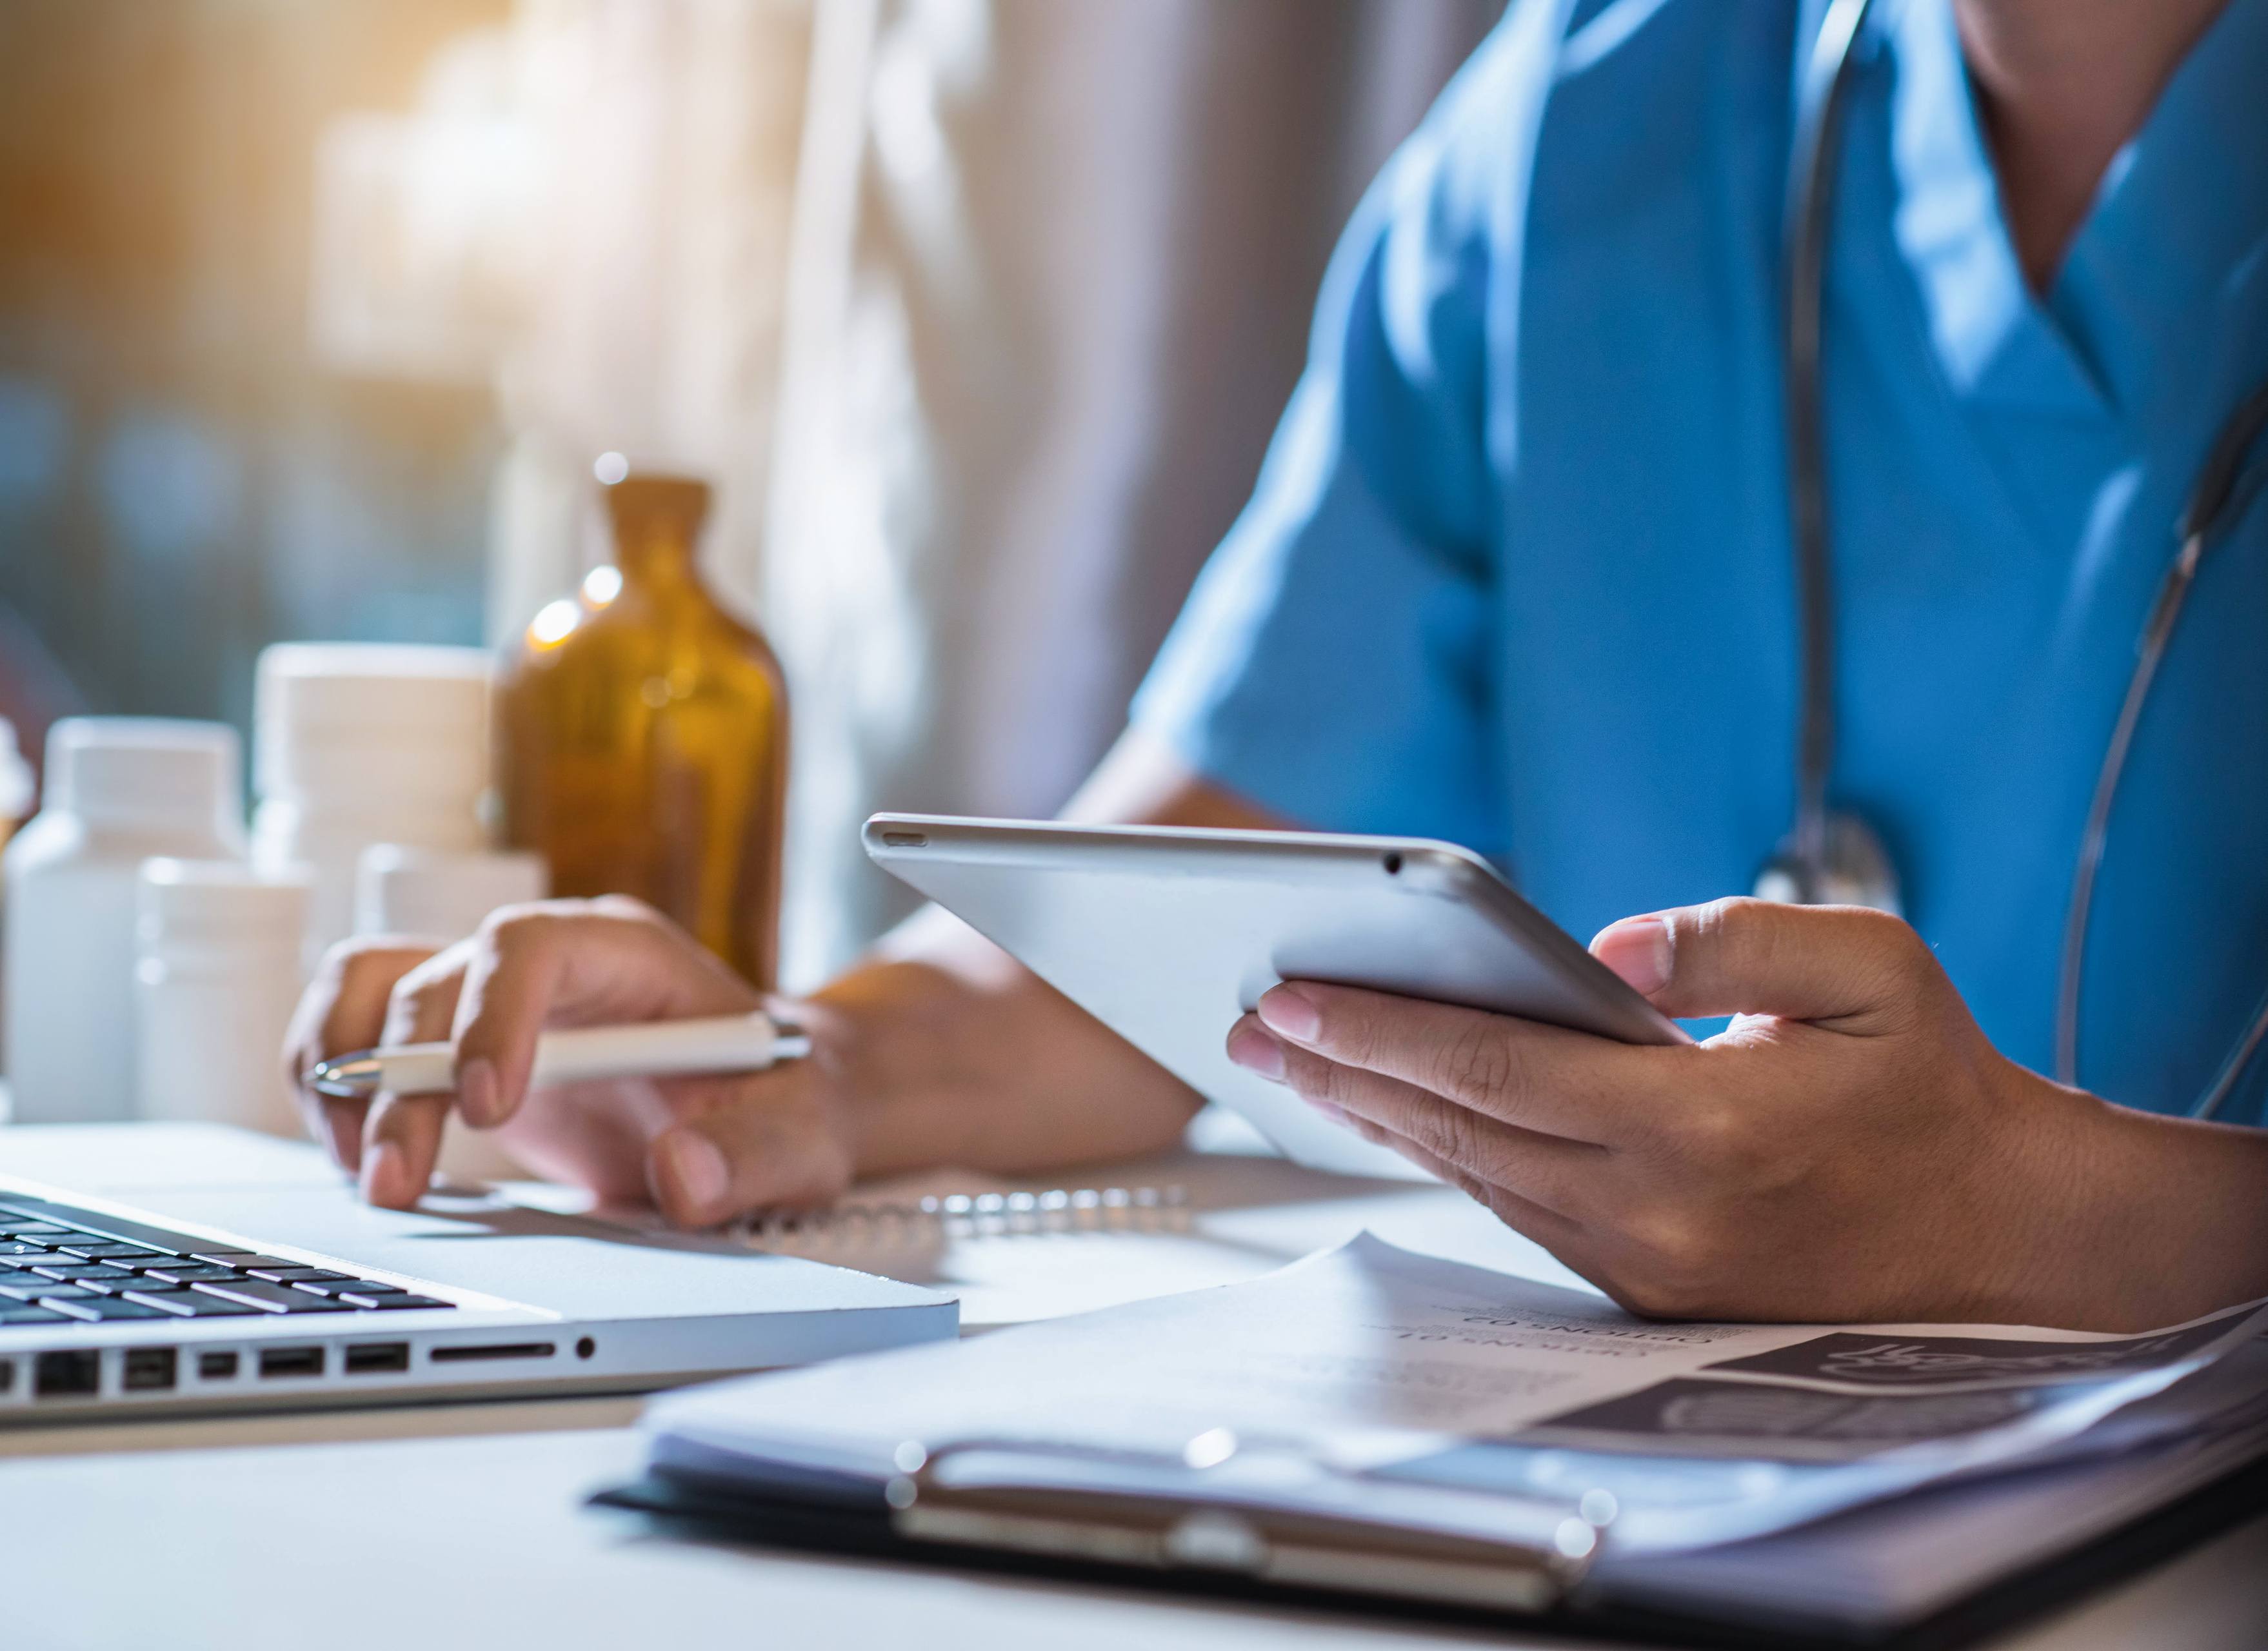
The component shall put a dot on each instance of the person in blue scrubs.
(1518, 573)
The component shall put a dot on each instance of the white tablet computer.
(1167, 935)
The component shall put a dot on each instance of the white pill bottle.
(216, 982)
(119, 791)
(362, 743)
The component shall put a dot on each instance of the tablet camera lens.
(1392, 863)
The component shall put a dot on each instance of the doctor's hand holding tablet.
(1541, 565)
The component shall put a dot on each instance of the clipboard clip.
(1044, 1500)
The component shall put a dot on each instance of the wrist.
(2043, 1197)
(878, 1053)
(2124, 1220)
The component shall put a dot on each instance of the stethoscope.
(1831, 856)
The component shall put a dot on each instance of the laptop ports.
(501, 1350)
(377, 1358)
(77, 1373)
(280, 1361)
(218, 1366)
(150, 1369)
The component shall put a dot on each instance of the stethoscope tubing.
(1810, 190)
(2224, 488)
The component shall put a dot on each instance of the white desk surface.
(446, 1526)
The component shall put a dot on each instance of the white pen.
(650, 1049)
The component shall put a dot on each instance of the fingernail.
(476, 1093)
(1637, 948)
(1256, 1051)
(1286, 1010)
(385, 1175)
(691, 1164)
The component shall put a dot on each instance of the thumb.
(1847, 965)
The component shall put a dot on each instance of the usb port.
(216, 1367)
(290, 1362)
(73, 1374)
(371, 1358)
(150, 1369)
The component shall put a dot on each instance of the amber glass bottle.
(642, 742)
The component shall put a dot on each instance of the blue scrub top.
(1518, 573)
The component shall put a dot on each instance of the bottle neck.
(658, 559)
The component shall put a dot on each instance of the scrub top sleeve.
(1332, 664)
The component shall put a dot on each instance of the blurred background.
(977, 313)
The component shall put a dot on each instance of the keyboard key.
(121, 1230)
(273, 1298)
(131, 1281)
(16, 1313)
(87, 1222)
(99, 1308)
(68, 1271)
(296, 1275)
(360, 1298)
(191, 1273)
(241, 1260)
(335, 1285)
(39, 1289)
(36, 1230)
(189, 1304)
(107, 1249)
(22, 1247)
(98, 1285)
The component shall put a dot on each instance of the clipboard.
(831, 1523)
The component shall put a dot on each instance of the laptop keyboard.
(61, 1265)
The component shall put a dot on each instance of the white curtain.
(588, 206)
(978, 312)
(1051, 271)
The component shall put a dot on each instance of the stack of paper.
(1433, 1396)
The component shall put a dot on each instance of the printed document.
(1371, 1369)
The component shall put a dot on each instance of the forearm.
(2141, 1219)
(951, 1052)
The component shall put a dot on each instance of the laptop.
(155, 1268)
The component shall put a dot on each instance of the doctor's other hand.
(702, 1148)
(937, 1047)
(1851, 1148)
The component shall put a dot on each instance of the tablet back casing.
(1167, 935)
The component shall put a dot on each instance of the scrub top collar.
(2143, 259)
(2148, 263)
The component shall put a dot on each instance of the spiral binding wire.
(965, 1215)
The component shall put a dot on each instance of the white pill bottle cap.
(387, 723)
(146, 774)
(446, 897)
(218, 904)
